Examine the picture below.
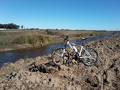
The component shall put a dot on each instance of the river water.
(12, 56)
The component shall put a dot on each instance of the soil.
(41, 74)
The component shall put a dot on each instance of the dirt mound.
(40, 74)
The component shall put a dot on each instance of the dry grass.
(33, 38)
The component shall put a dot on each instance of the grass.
(85, 34)
(16, 39)
(34, 40)
(20, 38)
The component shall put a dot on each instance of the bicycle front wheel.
(90, 56)
(59, 57)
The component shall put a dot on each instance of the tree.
(1, 26)
(22, 26)
(9, 26)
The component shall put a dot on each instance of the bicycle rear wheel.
(90, 56)
(57, 56)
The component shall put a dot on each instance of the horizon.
(62, 14)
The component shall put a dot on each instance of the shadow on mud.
(48, 67)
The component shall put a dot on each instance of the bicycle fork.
(81, 51)
(63, 53)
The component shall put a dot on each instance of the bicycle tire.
(89, 61)
(57, 58)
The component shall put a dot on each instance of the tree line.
(9, 26)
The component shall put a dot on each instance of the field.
(22, 39)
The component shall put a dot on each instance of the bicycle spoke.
(58, 54)
(90, 57)
(59, 57)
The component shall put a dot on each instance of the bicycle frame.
(73, 48)
(82, 48)
(80, 52)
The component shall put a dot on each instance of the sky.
(62, 14)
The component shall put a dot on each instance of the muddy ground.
(104, 75)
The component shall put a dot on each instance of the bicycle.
(88, 56)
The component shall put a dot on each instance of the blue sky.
(71, 14)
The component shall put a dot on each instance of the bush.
(32, 39)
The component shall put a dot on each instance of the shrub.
(32, 39)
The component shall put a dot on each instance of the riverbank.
(27, 39)
(103, 76)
